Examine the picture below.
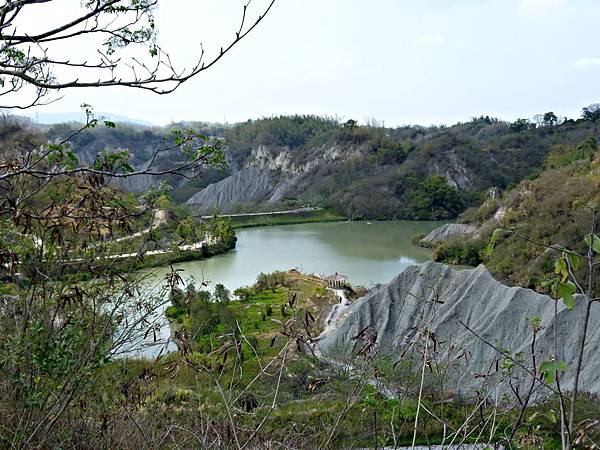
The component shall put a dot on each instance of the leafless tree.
(31, 63)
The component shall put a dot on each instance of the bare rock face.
(448, 230)
(263, 158)
(137, 183)
(246, 186)
(452, 167)
(161, 218)
(492, 193)
(434, 298)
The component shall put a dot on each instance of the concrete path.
(270, 213)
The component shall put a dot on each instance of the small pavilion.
(336, 280)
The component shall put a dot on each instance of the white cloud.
(430, 40)
(587, 63)
(534, 8)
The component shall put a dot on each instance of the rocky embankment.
(433, 299)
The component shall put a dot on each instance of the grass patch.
(322, 215)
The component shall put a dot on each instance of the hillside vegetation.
(551, 208)
(360, 172)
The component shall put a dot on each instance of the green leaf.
(593, 241)
(549, 415)
(560, 268)
(507, 365)
(71, 162)
(536, 323)
(596, 244)
(549, 369)
(565, 292)
(109, 124)
(491, 244)
(549, 283)
(574, 260)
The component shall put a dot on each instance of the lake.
(367, 253)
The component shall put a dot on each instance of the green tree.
(434, 199)
(591, 113)
(549, 119)
(262, 282)
(203, 316)
(243, 294)
(350, 124)
(220, 228)
(186, 229)
(520, 125)
(587, 148)
(222, 294)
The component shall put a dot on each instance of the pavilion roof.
(336, 277)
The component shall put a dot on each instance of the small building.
(336, 280)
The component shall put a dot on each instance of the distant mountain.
(366, 172)
(361, 172)
(53, 118)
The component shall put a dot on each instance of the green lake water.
(368, 253)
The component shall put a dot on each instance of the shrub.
(468, 253)
(481, 213)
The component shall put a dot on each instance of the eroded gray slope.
(246, 186)
(398, 310)
(449, 230)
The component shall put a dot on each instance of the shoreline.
(134, 263)
(323, 216)
(290, 218)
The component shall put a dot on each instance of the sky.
(399, 62)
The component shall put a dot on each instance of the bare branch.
(19, 67)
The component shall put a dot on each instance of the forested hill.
(362, 172)
(553, 209)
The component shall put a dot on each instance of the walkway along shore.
(269, 213)
(189, 247)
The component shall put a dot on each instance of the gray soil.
(434, 297)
